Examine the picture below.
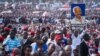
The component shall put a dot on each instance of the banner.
(78, 15)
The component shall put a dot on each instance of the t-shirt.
(35, 47)
(11, 43)
(58, 49)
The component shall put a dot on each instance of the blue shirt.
(12, 43)
(35, 47)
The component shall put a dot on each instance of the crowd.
(46, 39)
(21, 35)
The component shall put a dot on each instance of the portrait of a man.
(78, 15)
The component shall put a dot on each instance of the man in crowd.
(27, 50)
(84, 48)
(58, 45)
(25, 41)
(68, 50)
(11, 42)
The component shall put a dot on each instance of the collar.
(79, 20)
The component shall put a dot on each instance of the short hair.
(86, 37)
(27, 46)
(67, 47)
(12, 32)
(9, 26)
(75, 8)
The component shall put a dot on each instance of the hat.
(7, 29)
(57, 32)
(58, 37)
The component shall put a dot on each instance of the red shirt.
(1, 38)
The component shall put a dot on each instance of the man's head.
(44, 38)
(12, 34)
(28, 50)
(14, 29)
(68, 50)
(77, 11)
(58, 39)
(16, 51)
(86, 37)
(94, 35)
(40, 43)
(43, 30)
(52, 36)
(25, 35)
(76, 33)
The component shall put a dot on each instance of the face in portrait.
(77, 12)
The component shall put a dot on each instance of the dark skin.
(25, 35)
(28, 51)
(12, 35)
(52, 36)
(59, 40)
(76, 33)
(44, 39)
(40, 43)
(51, 49)
(40, 51)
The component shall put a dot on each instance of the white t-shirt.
(57, 50)
(50, 42)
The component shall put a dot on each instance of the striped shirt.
(11, 43)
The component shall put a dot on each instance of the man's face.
(28, 51)
(76, 33)
(25, 35)
(77, 11)
(68, 51)
(59, 41)
(12, 35)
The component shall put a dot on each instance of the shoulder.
(33, 44)
(83, 43)
(74, 21)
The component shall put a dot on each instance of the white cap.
(57, 31)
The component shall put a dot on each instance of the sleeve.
(34, 47)
(83, 32)
(5, 41)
